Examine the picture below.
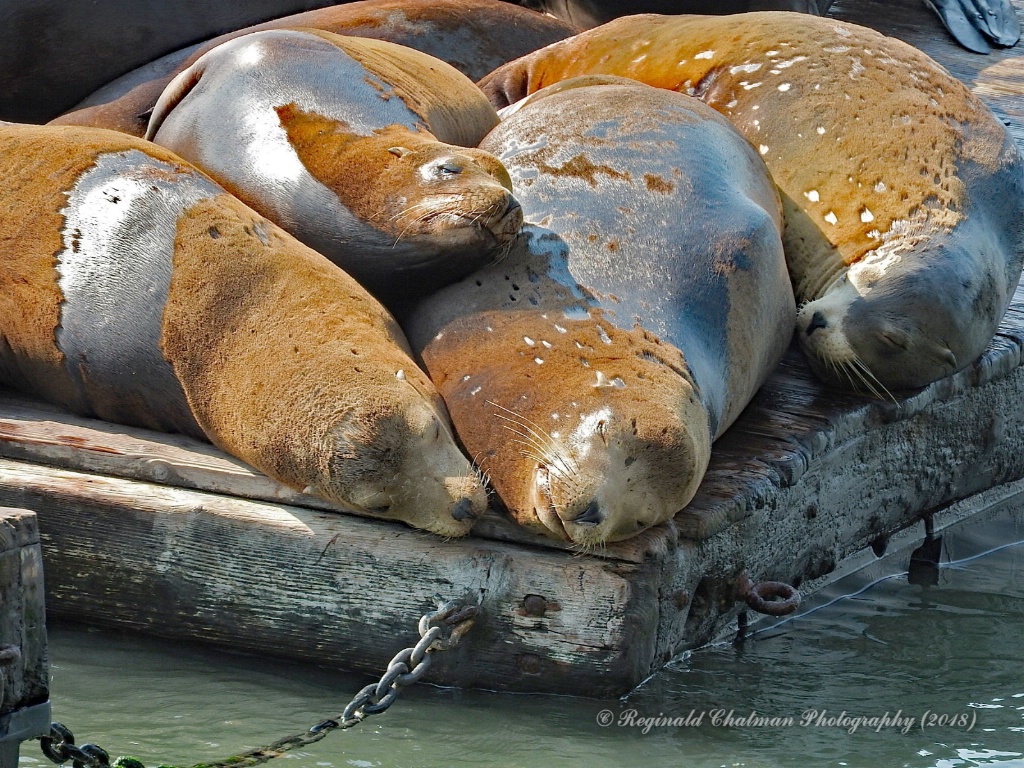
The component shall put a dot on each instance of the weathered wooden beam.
(330, 588)
(24, 669)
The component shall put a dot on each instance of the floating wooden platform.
(168, 536)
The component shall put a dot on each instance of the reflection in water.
(874, 672)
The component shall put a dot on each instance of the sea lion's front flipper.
(971, 21)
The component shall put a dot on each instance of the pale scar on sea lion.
(642, 307)
(361, 148)
(135, 290)
(902, 192)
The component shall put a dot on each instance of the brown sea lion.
(903, 194)
(342, 142)
(587, 14)
(54, 53)
(474, 36)
(644, 304)
(135, 290)
(973, 23)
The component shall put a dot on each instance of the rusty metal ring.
(772, 598)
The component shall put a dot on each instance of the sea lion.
(976, 24)
(474, 36)
(644, 304)
(972, 23)
(587, 14)
(54, 53)
(134, 289)
(902, 191)
(340, 141)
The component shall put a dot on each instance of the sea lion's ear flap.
(399, 151)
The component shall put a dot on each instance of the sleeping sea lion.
(347, 143)
(644, 304)
(903, 194)
(135, 290)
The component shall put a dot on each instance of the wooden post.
(24, 668)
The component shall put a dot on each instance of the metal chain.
(406, 668)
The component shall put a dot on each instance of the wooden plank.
(24, 672)
(328, 588)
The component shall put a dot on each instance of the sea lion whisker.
(844, 369)
(403, 212)
(838, 371)
(856, 369)
(533, 456)
(410, 225)
(533, 442)
(430, 215)
(545, 461)
(566, 466)
(524, 422)
(866, 372)
(502, 253)
(540, 437)
(865, 382)
(552, 457)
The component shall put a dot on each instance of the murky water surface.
(879, 672)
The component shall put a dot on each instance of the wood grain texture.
(329, 588)
(169, 536)
(25, 679)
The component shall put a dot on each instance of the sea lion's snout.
(591, 515)
(610, 479)
(463, 510)
(816, 321)
(403, 464)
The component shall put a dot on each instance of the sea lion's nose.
(592, 515)
(817, 321)
(463, 510)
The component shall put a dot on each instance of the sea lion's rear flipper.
(1000, 20)
(971, 21)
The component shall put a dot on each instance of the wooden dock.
(165, 535)
(24, 668)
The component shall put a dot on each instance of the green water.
(871, 645)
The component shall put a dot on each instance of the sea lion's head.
(619, 471)
(401, 464)
(443, 197)
(903, 317)
(587, 432)
(429, 212)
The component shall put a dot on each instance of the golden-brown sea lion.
(474, 36)
(903, 194)
(644, 304)
(135, 290)
(347, 143)
(974, 23)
